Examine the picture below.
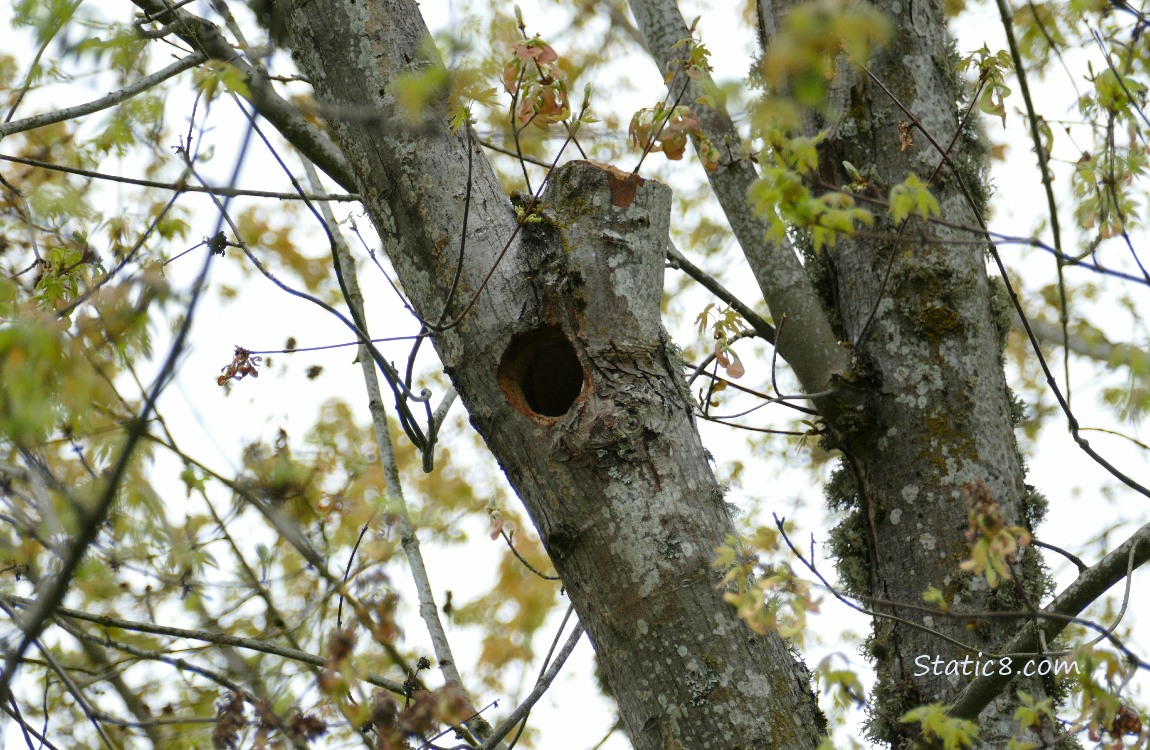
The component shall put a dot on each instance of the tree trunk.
(568, 376)
(920, 314)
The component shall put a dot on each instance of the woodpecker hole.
(540, 373)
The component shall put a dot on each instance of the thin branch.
(540, 688)
(204, 636)
(347, 569)
(750, 428)
(678, 261)
(1072, 421)
(180, 186)
(1122, 83)
(24, 211)
(440, 413)
(1115, 433)
(1065, 553)
(522, 559)
(111, 100)
(666, 119)
(1125, 601)
(428, 609)
(358, 324)
(982, 233)
(142, 653)
(529, 159)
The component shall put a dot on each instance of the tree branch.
(816, 356)
(205, 36)
(1088, 587)
(205, 636)
(180, 187)
(111, 100)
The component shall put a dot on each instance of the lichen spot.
(540, 373)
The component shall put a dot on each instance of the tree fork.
(566, 373)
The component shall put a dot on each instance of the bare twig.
(540, 688)
(204, 636)
(428, 609)
(104, 102)
(522, 559)
(179, 186)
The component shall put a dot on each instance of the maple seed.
(905, 135)
(242, 365)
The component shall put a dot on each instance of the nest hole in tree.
(540, 372)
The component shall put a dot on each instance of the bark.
(923, 324)
(205, 37)
(568, 376)
(816, 356)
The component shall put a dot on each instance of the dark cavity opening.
(540, 373)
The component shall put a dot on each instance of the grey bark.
(815, 355)
(205, 37)
(568, 376)
(938, 414)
